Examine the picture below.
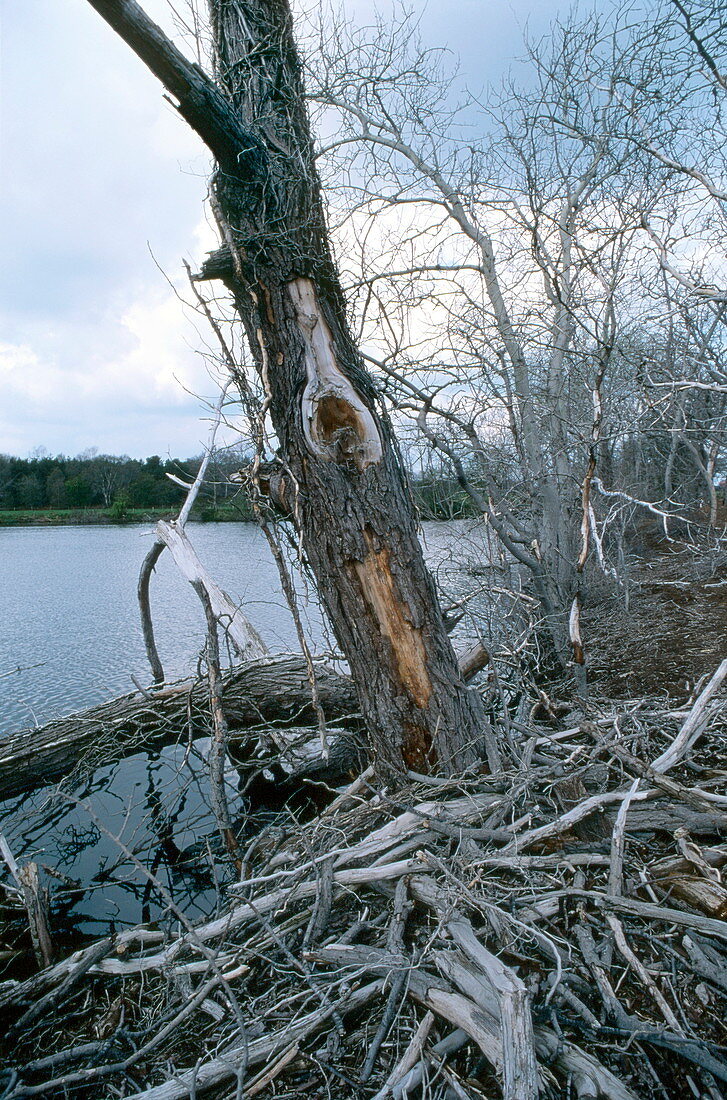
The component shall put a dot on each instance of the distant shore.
(74, 517)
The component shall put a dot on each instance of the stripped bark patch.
(382, 597)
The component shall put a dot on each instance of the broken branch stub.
(337, 425)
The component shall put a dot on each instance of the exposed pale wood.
(36, 904)
(666, 914)
(476, 1014)
(147, 623)
(672, 881)
(222, 1069)
(409, 1058)
(473, 660)
(337, 425)
(450, 1044)
(693, 725)
(244, 637)
(35, 898)
(707, 962)
(520, 1077)
(571, 817)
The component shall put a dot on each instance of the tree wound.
(379, 590)
(337, 425)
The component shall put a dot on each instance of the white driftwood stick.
(449, 1045)
(519, 1065)
(262, 906)
(476, 1011)
(410, 1058)
(242, 633)
(222, 1069)
(590, 1077)
(693, 726)
(566, 820)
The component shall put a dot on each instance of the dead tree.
(351, 503)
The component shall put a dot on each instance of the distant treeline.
(121, 487)
(112, 483)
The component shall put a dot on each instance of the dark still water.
(70, 638)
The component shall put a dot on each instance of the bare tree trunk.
(352, 505)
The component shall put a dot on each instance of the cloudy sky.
(100, 182)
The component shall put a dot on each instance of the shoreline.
(97, 517)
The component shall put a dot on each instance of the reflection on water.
(70, 621)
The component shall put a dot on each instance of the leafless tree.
(344, 487)
(500, 253)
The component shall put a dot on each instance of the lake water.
(70, 638)
(70, 621)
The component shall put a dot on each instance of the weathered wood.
(679, 879)
(353, 508)
(693, 725)
(200, 102)
(218, 1070)
(267, 690)
(244, 637)
(36, 904)
(519, 1067)
(35, 898)
(270, 690)
(476, 1011)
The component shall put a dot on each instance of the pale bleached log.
(590, 1078)
(563, 823)
(377, 846)
(430, 991)
(672, 881)
(245, 639)
(458, 811)
(409, 1059)
(475, 1012)
(666, 915)
(225, 1067)
(35, 898)
(36, 904)
(450, 1044)
(261, 906)
(708, 963)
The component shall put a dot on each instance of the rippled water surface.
(70, 638)
(70, 621)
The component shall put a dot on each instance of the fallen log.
(268, 690)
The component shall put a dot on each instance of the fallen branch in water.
(268, 691)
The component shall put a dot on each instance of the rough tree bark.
(352, 506)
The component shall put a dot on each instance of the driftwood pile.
(557, 931)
